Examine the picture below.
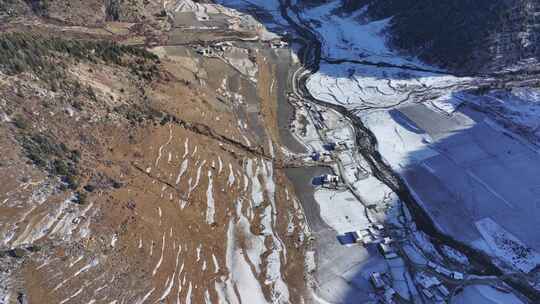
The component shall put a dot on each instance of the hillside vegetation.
(462, 35)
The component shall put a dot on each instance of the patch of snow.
(240, 274)
(114, 239)
(197, 178)
(158, 264)
(73, 295)
(146, 296)
(455, 255)
(508, 247)
(231, 180)
(399, 146)
(183, 169)
(309, 263)
(160, 150)
(364, 87)
(483, 294)
(216, 263)
(210, 210)
(220, 165)
(341, 211)
(188, 295)
(344, 36)
(186, 147)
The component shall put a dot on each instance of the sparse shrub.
(55, 158)
(81, 198)
(17, 253)
(75, 155)
(89, 188)
(20, 122)
(60, 167)
(116, 184)
(71, 180)
(45, 56)
(91, 94)
(33, 248)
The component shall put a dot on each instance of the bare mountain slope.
(130, 174)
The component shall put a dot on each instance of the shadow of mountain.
(479, 171)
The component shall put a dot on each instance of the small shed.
(331, 146)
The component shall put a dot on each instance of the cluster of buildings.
(213, 50)
(321, 157)
(431, 287)
(380, 284)
(455, 275)
(375, 234)
(330, 181)
(319, 122)
(220, 47)
(279, 44)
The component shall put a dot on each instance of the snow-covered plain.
(421, 138)
(518, 109)
(399, 143)
(482, 294)
(507, 247)
(362, 87)
(341, 211)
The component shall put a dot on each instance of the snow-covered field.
(401, 143)
(343, 35)
(341, 211)
(508, 247)
(362, 87)
(478, 172)
(476, 179)
(517, 109)
(482, 294)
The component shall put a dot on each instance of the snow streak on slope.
(241, 278)
(210, 211)
(250, 256)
